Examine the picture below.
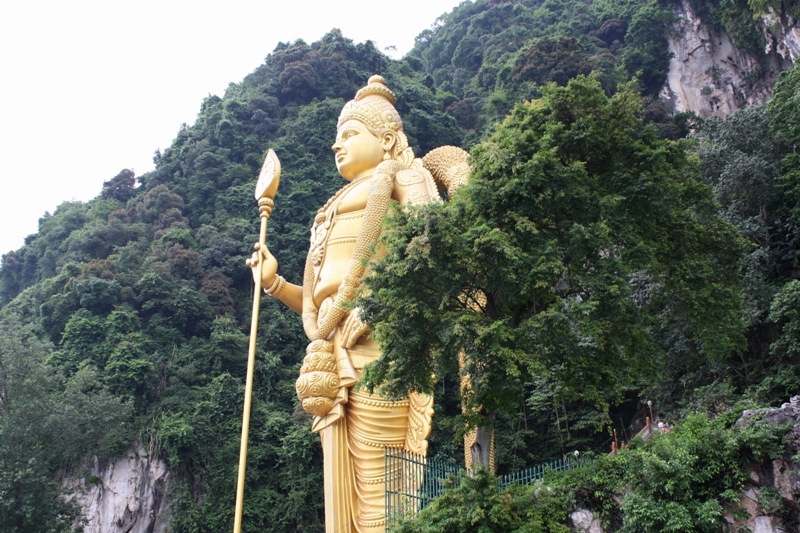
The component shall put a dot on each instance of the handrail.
(412, 481)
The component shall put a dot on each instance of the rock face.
(125, 495)
(773, 485)
(584, 521)
(710, 76)
(782, 34)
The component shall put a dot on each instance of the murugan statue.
(355, 427)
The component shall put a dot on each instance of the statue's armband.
(411, 187)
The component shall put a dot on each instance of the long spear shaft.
(265, 190)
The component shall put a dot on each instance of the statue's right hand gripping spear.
(266, 188)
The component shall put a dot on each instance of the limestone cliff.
(125, 495)
(710, 76)
(782, 34)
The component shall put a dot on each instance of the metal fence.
(529, 475)
(413, 480)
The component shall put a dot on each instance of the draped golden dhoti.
(353, 446)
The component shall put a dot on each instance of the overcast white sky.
(91, 87)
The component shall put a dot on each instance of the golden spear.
(266, 188)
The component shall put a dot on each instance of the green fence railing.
(413, 480)
(529, 475)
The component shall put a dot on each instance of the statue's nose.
(336, 147)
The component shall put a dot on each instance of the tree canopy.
(581, 248)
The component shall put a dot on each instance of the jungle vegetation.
(624, 255)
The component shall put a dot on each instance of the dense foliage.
(681, 481)
(49, 422)
(583, 252)
(124, 318)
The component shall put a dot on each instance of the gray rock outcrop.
(782, 34)
(125, 495)
(774, 485)
(710, 76)
(584, 521)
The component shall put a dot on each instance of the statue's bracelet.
(277, 286)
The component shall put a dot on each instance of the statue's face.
(357, 150)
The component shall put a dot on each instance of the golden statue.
(355, 427)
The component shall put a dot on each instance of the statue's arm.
(292, 296)
(273, 284)
(384, 185)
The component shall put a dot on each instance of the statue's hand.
(353, 328)
(270, 268)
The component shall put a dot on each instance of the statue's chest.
(340, 221)
(354, 199)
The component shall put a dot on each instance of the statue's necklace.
(324, 218)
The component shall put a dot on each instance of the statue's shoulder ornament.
(415, 185)
(441, 171)
(449, 167)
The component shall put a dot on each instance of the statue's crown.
(376, 86)
(374, 106)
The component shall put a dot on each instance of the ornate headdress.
(373, 106)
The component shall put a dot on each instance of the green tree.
(47, 424)
(557, 59)
(785, 311)
(784, 110)
(686, 480)
(647, 51)
(120, 187)
(580, 240)
(742, 158)
(475, 504)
